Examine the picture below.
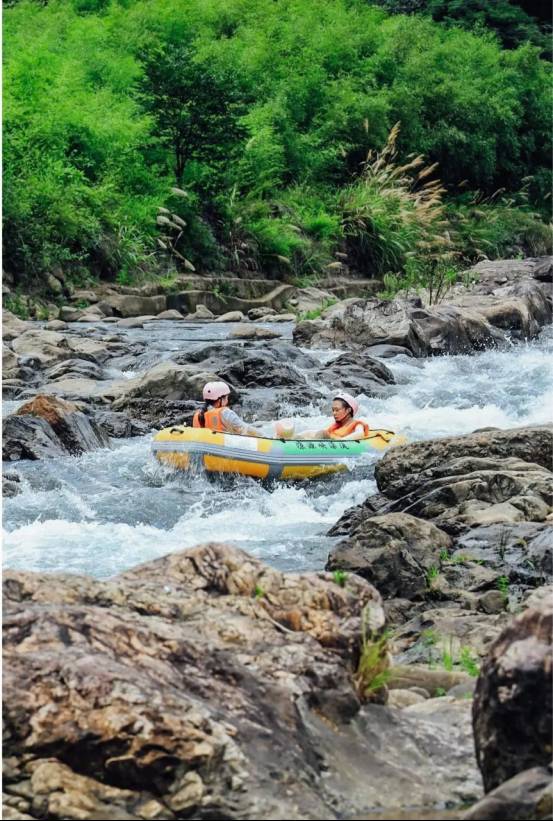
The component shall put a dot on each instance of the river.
(111, 509)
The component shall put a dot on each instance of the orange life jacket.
(336, 431)
(212, 418)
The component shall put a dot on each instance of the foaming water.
(112, 509)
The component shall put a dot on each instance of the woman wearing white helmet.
(216, 414)
(345, 426)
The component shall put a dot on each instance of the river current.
(111, 509)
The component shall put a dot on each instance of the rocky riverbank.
(207, 684)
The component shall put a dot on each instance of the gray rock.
(133, 321)
(252, 332)
(231, 316)
(395, 552)
(258, 313)
(485, 316)
(48, 427)
(12, 326)
(56, 325)
(357, 373)
(170, 314)
(525, 797)
(119, 425)
(76, 368)
(288, 317)
(512, 711)
(165, 380)
(127, 305)
(388, 351)
(69, 313)
(54, 284)
(201, 312)
(135, 646)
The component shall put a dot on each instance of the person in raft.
(216, 414)
(345, 425)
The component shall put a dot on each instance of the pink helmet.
(349, 400)
(215, 390)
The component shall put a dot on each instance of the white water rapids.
(111, 509)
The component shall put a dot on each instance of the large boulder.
(48, 427)
(403, 468)
(194, 686)
(45, 347)
(134, 304)
(484, 478)
(12, 326)
(512, 710)
(510, 300)
(394, 552)
(358, 373)
(164, 381)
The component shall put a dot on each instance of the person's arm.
(312, 434)
(234, 424)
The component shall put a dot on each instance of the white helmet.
(215, 390)
(349, 400)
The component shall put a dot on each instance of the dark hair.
(201, 415)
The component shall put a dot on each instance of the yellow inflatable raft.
(183, 447)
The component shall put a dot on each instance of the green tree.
(196, 107)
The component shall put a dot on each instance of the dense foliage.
(264, 113)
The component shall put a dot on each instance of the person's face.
(339, 410)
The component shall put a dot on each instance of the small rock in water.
(251, 332)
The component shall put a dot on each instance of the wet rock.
(127, 305)
(10, 361)
(521, 552)
(158, 413)
(12, 326)
(11, 484)
(310, 299)
(170, 314)
(47, 427)
(29, 438)
(201, 312)
(261, 369)
(165, 380)
(85, 295)
(388, 351)
(409, 758)
(288, 317)
(75, 367)
(525, 797)
(495, 308)
(403, 698)
(56, 325)
(213, 356)
(120, 426)
(258, 313)
(512, 712)
(68, 313)
(359, 373)
(176, 683)
(482, 478)
(394, 552)
(447, 630)
(402, 467)
(252, 332)
(47, 347)
(134, 321)
(231, 316)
